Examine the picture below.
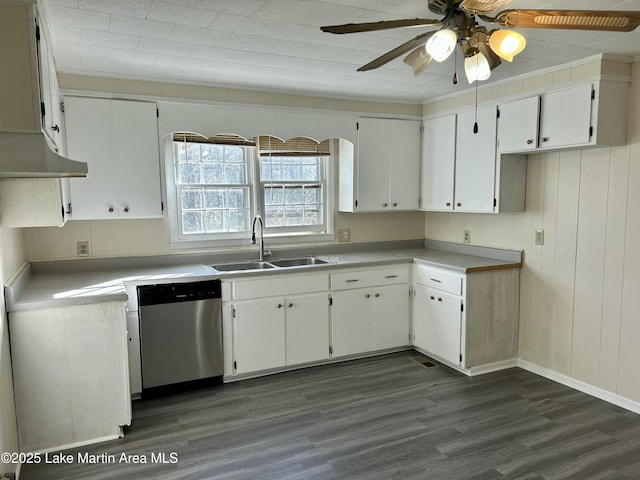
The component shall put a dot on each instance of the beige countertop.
(36, 288)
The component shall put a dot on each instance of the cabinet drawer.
(280, 286)
(447, 282)
(369, 278)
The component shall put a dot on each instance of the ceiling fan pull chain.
(475, 123)
(455, 66)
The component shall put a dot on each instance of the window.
(221, 182)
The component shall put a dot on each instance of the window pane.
(274, 216)
(237, 198)
(215, 198)
(193, 151)
(290, 172)
(294, 216)
(212, 153)
(309, 173)
(311, 195)
(238, 220)
(233, 154)
(191, 198)
(236, 173)
(213, 172)
(312, 217)
(189, 173)
(180, 151)
(217, 221)
(192, 222)
(293, 196)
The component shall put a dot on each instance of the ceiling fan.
(482, 49)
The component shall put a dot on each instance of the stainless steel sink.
(297, 262)
(232, 267)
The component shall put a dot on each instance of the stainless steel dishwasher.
(180, 335)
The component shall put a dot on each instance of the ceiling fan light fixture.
(442, 44)
(418, 60)
(506, 43)
(476, 67)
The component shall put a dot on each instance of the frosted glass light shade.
(477, 67)
(418, 60)
(506, 43)
(441, 44)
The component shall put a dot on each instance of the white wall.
(578, 315)
(12, 256)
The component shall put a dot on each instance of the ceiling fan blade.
(606, 20)
(383, 25)
(482, 6)
(396, 52)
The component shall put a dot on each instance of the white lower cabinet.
(279, 321)
(468, 321)
(370, 310)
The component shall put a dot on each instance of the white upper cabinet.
(385, 173)
(565, 117)
(518, 125)
(578, 116)
(438, 163)
(475, 160)
(119, 141)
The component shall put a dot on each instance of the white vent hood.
(28, 155)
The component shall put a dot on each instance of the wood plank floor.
(386, 417)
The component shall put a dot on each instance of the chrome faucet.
(253, 235)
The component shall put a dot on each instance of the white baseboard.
(605, 395)
(492, 367)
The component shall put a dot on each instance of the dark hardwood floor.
(386, 418)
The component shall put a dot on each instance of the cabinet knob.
(395, 204)
(448, 204)
(432, 297)
(367, 296)
(377, 295)
(279, 305)
(439, 299)
(458, 204)
(55, 128)
(110, 209)
(385, 204)
(529, 141)
(545, 139)
(125, 209)
(290, 305)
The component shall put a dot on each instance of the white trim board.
(605, 395)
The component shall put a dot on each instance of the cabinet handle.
(458, 204)
(545, 139)
(432, 297)
(377, 295)
(439, 299)
(352, 280)
(385, 204)
(529, 141)
(391, 276)
(435, 280)
(367, 296)
(110, 209)
(279, 305)
(55, 128)
(126, 209)
(290, 305)
(448, 204)
(395, 204)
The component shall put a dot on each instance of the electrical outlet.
(539, 237)
(83, 248)
(344, 235)
(466, 236)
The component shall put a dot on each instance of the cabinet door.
(351, 322)
(374, 152)
(475, 161)
(518, 125)
(259, 333)
(49, 92)
(438, 163)
(404, 165)
(137, 159)
(437, 323)
(565, 117)
(307, 328)
(90, 138)
(390, 319)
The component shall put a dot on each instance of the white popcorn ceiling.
(277, 45)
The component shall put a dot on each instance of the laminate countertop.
(59, 284)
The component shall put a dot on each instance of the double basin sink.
(283, 263)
